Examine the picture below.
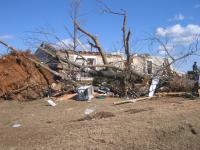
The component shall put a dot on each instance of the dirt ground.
(161, 123)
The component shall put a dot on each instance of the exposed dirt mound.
(20, 79)
(99, 115)
(134, 111)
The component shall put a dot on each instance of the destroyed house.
(94, 58)
(45, 57)
(141, 63)
(147, 64)
(84, 57)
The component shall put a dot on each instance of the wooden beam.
(133, 100)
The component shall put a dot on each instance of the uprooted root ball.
(21, 79)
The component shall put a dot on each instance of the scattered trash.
(104, 90)
(51, 103)
(88, 111)
(16, 125)
(85, 93)
(100, 97)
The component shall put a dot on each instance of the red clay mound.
(20, 79)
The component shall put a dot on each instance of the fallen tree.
(125, 81)
(122, 81)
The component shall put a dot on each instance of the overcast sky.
(178, 20)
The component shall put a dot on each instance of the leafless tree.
(176, 52)
(74, 13)
(123, 75)
(126, 38)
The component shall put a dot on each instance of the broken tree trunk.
(96, 43)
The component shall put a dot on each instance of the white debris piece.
(88, 111)
(153, 86)
(16, 125)
(51, 103)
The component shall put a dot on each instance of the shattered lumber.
(53, 72)
(105, 73)
(67, 61)
(179, 94)
(133, 100)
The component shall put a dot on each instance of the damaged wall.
(146, 64)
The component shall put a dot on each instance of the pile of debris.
(22, 79)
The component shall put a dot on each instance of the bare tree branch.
(96, 41)
(53, 72)
(8, 46)
(164, 47)
(126, 36)
(108, 10)
(127, 48)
